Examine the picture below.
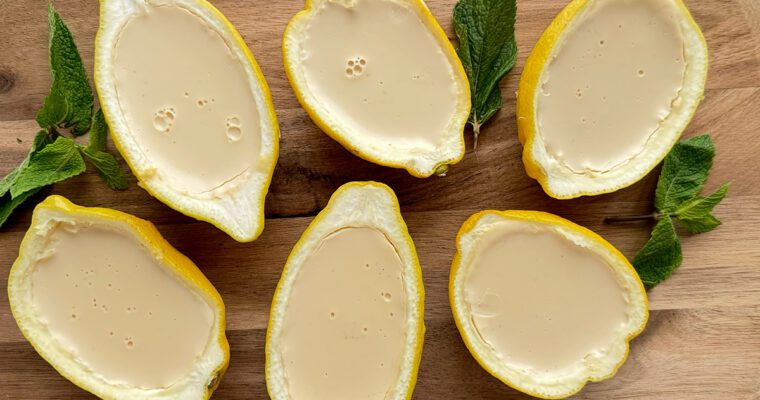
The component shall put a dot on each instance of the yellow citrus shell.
(209, 370)
(240, 213)
(559, 181)
(450, 152)
(555, 387)
(354, 204)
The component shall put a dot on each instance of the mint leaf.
(488, 50)
(8, 204)
(54, 163)
(107, 167)
(695, 214)
(684, 172)
(98, 132)
(661, 255)
(69, 103)
(42, 139)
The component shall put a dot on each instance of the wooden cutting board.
(703, 337)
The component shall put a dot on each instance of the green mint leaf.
(69, 103)
(684, 172)
(107, 167)
(695, 214)
(98, 132)
(42, 139)
(488, 50)
(8, 204)
(56, 162)
(661, 255)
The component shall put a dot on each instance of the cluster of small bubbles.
(355, 66)
(386, 296)
(131, 309)
(163, 120)
(129, 342)
(579, 93)
(202, 102)
(104, 308)
(234, 133)
(416, 76)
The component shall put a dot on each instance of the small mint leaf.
(54, 163)
(684, 172)
(695, 214)
(42, 139)
(8, 204)
(98, 132)
(107, 167)
(661, 255)
(487, 49)
(69, 103)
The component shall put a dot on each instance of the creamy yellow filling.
(344, 329)
(376, 67)
(611, 83)
(540, 301)
(187, 99)
(108, 302)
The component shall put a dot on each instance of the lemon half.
(346, 320)
(188, 109)
(382, 79)
(607, 91)
(115, 308)
(543, 304)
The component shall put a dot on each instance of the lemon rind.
(448, 153)
(241, 215)
(466, 240)
(557, 180)
(59, 208)
(354, 204)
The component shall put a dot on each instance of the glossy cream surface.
(344, 329)
(540, 301)
(611, 82)
(107, 301)
(376, 67)
(186, 99)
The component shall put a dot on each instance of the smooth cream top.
(344, 327)
(107, 300)
(378, 66)
(611, 82)
(187, 100)
(540, 301)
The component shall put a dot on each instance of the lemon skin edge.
(420, 333)
(147, 233)
(432, 24)
(529, 82)
(549, 219)
(260, 80)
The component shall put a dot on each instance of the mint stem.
(630, 218)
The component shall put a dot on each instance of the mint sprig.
(488, 50)
(677, 199)
(55, 157)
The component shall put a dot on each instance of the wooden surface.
(703, 337)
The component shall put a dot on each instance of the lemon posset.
(190, 113)
(381, 78)
(607, 91)
(346, 319)
(92, 287)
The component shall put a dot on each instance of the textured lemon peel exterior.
(419, 165)
(355, 204)
(239, 213)
(559, 181)
(199, 384)
(552, 388)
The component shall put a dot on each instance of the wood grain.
(703, 338)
